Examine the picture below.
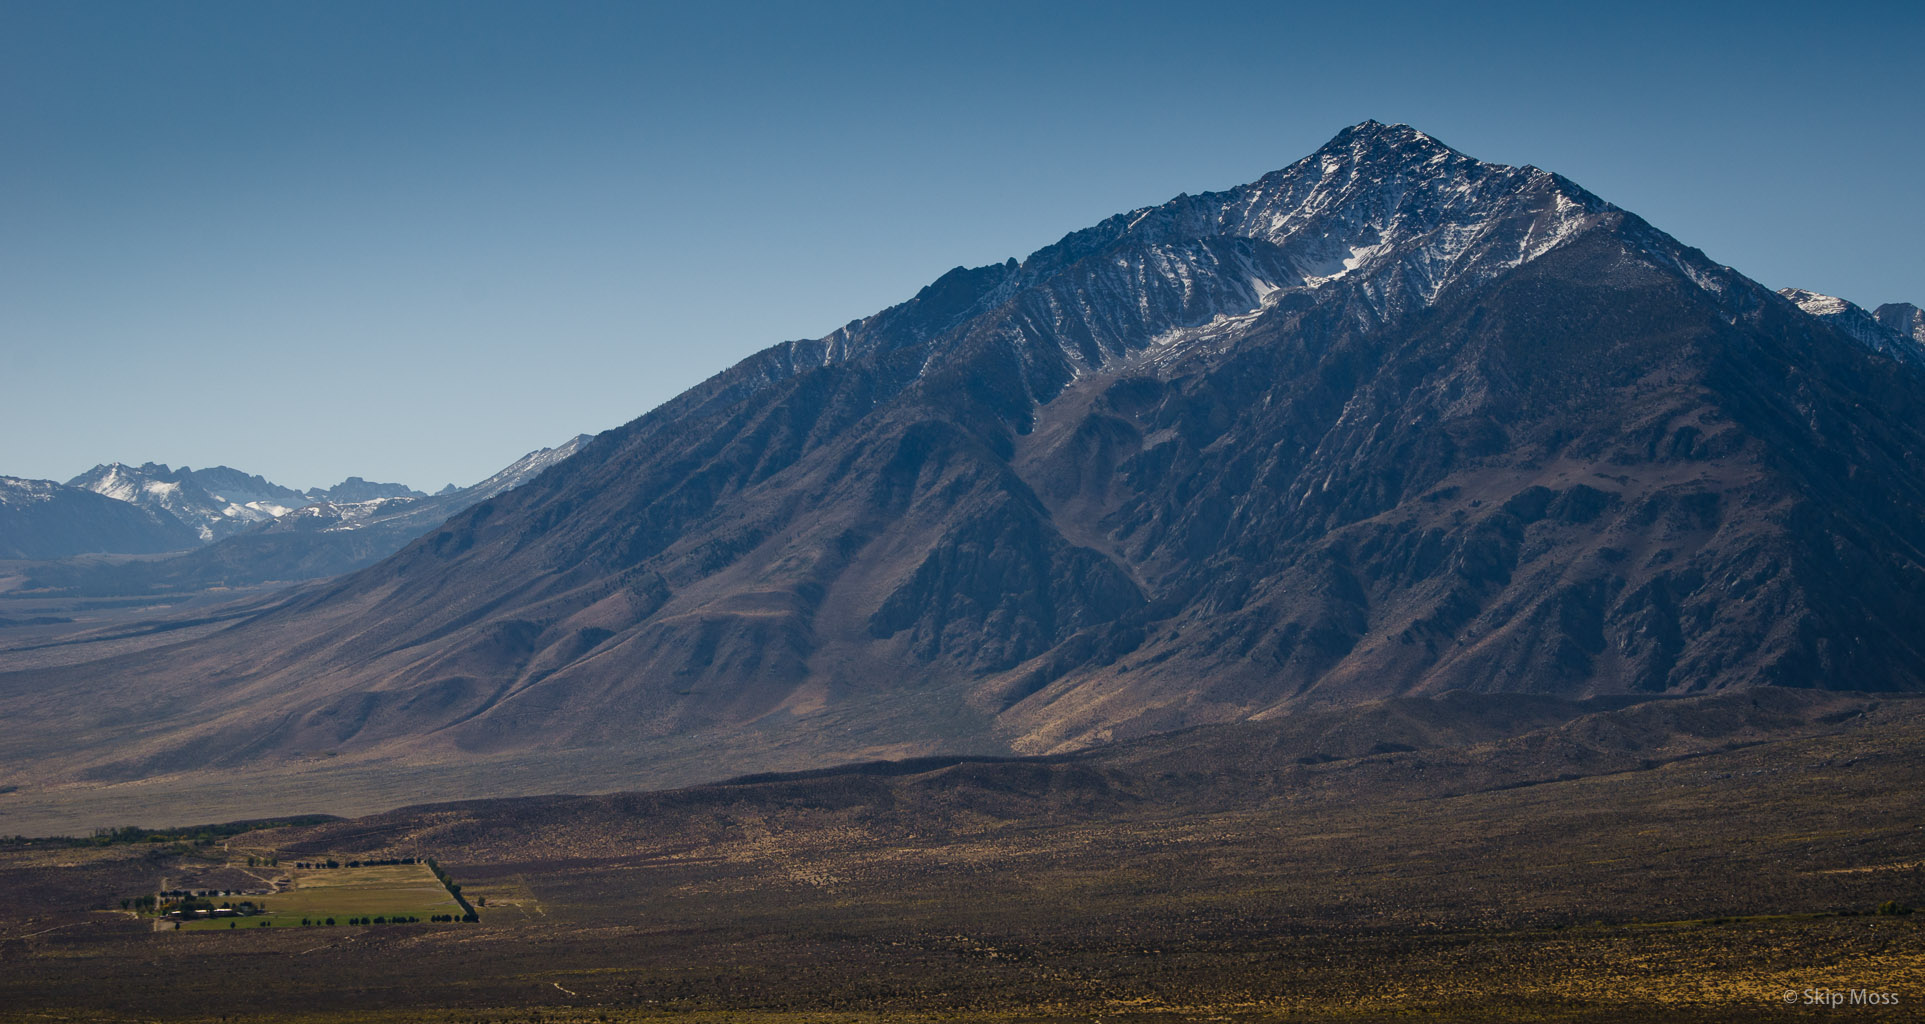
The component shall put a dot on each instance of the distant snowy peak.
(21, 491)
(1887, 334)
(219, 502)
(1818, 304)
(525, 469)
(213, 502)
(329, 515)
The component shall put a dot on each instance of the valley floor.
(1742, 883)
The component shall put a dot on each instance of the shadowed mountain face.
(1388, 421)
(43, 519)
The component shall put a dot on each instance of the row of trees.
(467, 909)
(332, 863)
(328, 922)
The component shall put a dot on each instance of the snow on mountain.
(214, 502)
(1386, 205)
(220, 502)
(525, 468)
(1866, 328)
(337, 533)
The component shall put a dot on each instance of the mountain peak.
(1889, 333)
(1374, 140)
(1371, 128)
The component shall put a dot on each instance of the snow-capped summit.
(1869, 330)
(1385, 206)
(1379, 195)
(212, 502)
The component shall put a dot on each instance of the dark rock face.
(1389, 421)
(356, 489)
(1903, 319)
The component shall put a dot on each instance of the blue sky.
(412, 241)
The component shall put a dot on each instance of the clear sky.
(411, 241)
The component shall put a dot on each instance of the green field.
(405, 890)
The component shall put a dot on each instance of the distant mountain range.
(230, 528)
(220, 502)
(1389, 421)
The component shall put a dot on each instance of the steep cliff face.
(1387, 421)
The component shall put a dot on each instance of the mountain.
(219, 501)
(1891, 334)
(356, 489)
(338, 529)
(1390, 421)
(1903, 319)
(211, 502)
(43, 519)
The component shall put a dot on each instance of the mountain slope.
(43, 519)
(1387, 421)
